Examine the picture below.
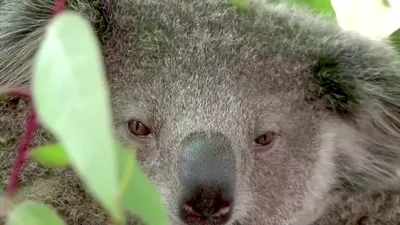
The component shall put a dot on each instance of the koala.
(267, 115)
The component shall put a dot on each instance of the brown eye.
(265, 139)
(137, 128)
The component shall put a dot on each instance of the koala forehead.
(200, 65)
(203, 62)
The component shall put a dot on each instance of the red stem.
(20, 91)
(31, 124)
(22, 155)
(59, 6)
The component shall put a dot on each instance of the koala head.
(239, 117)
(228, 109)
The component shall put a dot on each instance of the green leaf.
(52, 155)
(70, 95)
(33, 213)
(138, 193)
(319, 6)
(395, 38)
(240, 4)
(244, 4)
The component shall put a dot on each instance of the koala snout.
(208, 180)
(206, 204)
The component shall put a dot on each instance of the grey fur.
(181, 66)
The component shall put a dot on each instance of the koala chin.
(266, 116)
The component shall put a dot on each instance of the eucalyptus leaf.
(51, 155)
(70, 95)
(395, 38)
(33, 213)
(319, 6)
(243, 4)
(139, 195)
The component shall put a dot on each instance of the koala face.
(211, 147)
(220, 121)
(214, 143)
(239, 117)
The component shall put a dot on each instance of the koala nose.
(209, 204)
(208, 180)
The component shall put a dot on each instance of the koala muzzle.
(208, 180)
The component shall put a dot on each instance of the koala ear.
(358, 76)
(336, 88)
(360, 83)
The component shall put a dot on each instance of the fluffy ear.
(355, 74)
(22, 24)
(360, 82)
(337, 89)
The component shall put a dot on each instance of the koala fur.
(185, 66)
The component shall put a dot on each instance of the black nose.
(208, 180)
(207, 204)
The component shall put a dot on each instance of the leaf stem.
(23, 91)
(22, 155)
(59, 6)
(31, 125)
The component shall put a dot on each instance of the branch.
(20, 91)
(59, 6)
(22, 155)
(31, 124)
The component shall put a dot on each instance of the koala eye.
(137, 128)
(265, 139)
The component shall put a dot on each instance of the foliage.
(395, 38)
(33, 213)
(71, 100)
(51, 155)
(375, 19)
(319, 6)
